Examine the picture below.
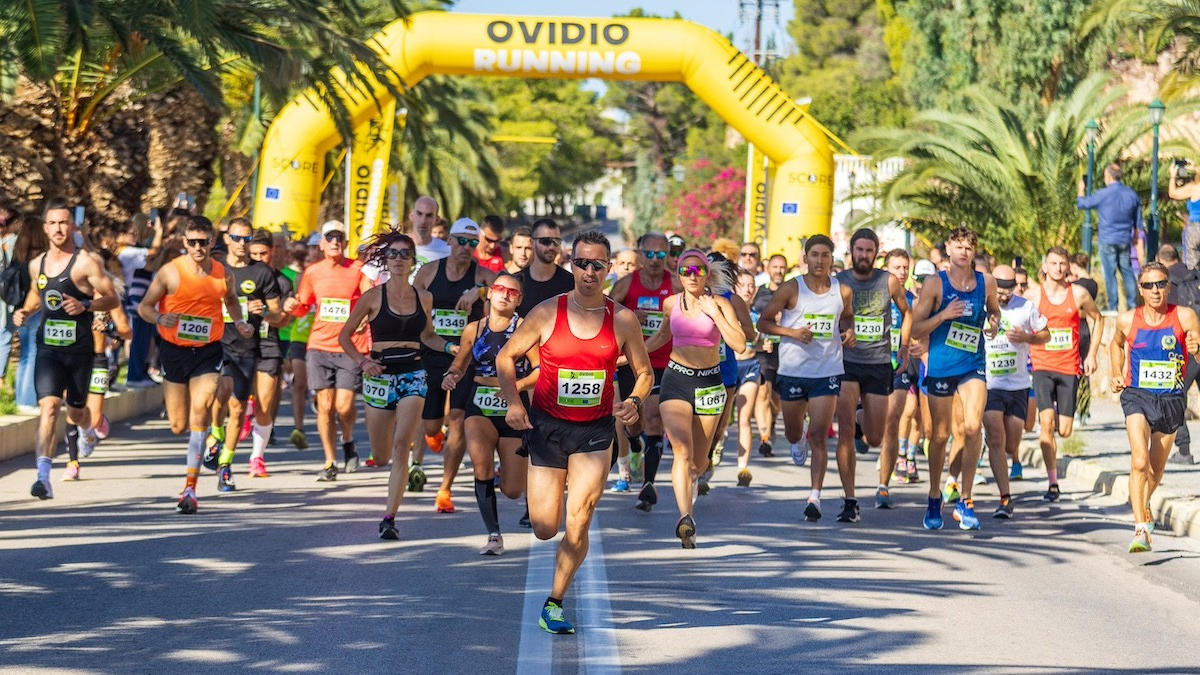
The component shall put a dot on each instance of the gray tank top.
(872, 318)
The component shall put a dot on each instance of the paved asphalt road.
(287, 576)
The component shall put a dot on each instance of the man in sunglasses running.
(333, 285)
(644, 292)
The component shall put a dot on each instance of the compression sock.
(43, 468)
(194, 452)
(260, 433)
(485, 496)
(73, 442)
(653, 456)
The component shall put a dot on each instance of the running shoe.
(849, 512)
(1141, 540)
(553, 621)
(800, 452)
(524, 521)
(443, 503)
(718, 452)
(328, 474)
(187, 502)
(1005, 510)
(350, 455)
(387, 529)
(1016, 472)
(765, 449)
(911, 475)
(1052, 493)
(436, 442)
(416, 478)
(883, 497)
(621, 485)
(258, 467)
(212, 450)
(964, 513)
(933, 514)
(42, 489)
(72, 472)
(298, 439)
(950, 493)
(744, 478)
(637, 465)
(812, 512)
(861, 447)
(494, 546)
(685, 529)
(225, 479)
(87, 443)
(647, 498)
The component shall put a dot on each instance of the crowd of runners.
(552, 366)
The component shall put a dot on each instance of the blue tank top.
(1193, 207)
(956, 346)
(897, 320)
(488, 345)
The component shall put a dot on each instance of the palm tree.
(76, 78)
(1011, 179)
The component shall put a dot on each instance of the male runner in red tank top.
(573, 406)
(1057, 364)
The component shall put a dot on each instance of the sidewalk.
(1098, 453)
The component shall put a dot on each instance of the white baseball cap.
(924, 268)
(464, 226)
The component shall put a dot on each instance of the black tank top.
(488, 345)
(446, 294)
(388, 326)
(61, 330)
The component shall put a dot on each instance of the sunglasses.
(693, 271)
(589, 264)
(198, 243)
(505, 291)
(239, 238)
(466, 241)
(335, 236)
(549, 241)
(651, 255)
(1155, 284)
(401, 253)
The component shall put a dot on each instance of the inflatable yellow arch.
(667, 50)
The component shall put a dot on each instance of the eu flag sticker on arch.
(790, 208)
(272, 193)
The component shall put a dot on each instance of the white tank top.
(821, 313)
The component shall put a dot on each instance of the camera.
(1183, 174)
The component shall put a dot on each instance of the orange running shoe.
(435, 443)
(443, 502)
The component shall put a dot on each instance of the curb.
(1176, 511)
(18, 433)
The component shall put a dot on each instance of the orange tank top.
(198, 301)
(1061, 353)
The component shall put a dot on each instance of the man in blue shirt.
(1119, 218)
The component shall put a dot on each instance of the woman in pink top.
(692, 394)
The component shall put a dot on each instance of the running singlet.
(331, 288)
(822, 314)
(575, 380)
(61, 331)
(488, 345)
(198, 301)
(651, 301)
(956, 346)
(1061, 353)
(1156, 356)
(897, 321)
(872, 320)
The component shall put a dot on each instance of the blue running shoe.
(553, 621)
(964, 513)
(1015, 473)
(933, 514)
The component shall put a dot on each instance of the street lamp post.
(1092, 130)
(1157, 110)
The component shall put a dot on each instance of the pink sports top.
(693, 331)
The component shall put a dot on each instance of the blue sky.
(720, 15)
